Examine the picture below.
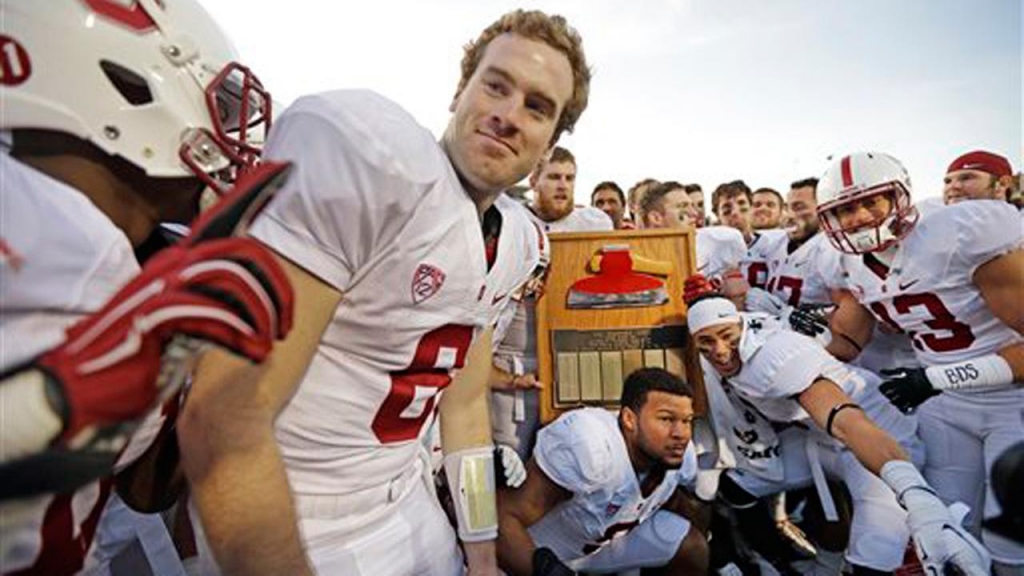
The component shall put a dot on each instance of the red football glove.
(212, 287)
(696, 286)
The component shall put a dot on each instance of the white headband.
(711, 312)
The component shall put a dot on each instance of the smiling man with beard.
(515, 412)
(803, 270)
(602, 491)
(553, 182)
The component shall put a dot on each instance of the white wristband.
(902, 476)
(986, 371)
(915, 495)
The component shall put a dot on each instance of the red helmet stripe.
(847, 172)
(133, 16)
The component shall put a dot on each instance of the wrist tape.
(986, 371)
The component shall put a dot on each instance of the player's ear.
(537, 169)
(627, 419)
(653, 219)
(1005, 183)
(455, 99)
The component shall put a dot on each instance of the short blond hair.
(553, 31)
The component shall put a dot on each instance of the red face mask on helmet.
(154, 82)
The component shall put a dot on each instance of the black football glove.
(809, 320)
(907, 388)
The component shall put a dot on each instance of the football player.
(808, 272)
(554, 182)
(609, 198)
(855, 437)
(977, 175)
(515, 411)
(952, 281)
(114, 129)
(766, 209)
(597, 487)
(515, 405)
(383, 232)
(696, 195)
(731, 203)
(806, 264)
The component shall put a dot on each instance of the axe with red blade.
(616, 285)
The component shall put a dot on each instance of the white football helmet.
(154, 82)
(858, 177)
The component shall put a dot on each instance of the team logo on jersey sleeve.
(426, 282)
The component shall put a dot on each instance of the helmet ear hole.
(132, 77)
(132, 87)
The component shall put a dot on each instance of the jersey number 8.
(410, 402)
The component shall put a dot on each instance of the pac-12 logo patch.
(426, 282)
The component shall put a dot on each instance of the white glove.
(940, 540)
(760, 300)
(511, 465)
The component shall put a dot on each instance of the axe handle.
(640, 264)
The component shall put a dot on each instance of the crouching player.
(790, 378)
(604, 493)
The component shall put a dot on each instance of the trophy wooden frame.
(587, 344)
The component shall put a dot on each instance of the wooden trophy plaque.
(613, 302)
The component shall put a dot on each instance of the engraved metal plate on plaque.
(590, 365)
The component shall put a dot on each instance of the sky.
(704, 91)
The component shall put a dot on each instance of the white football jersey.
(719, 248)
(523, 237)
(737, 435)
(62, 260)
(581, 219)
(584, 452)
(779, 364)
(926, 206)
(754, 264)
(864, 276)
(375, 209)
(929, 291)
(804, 275)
